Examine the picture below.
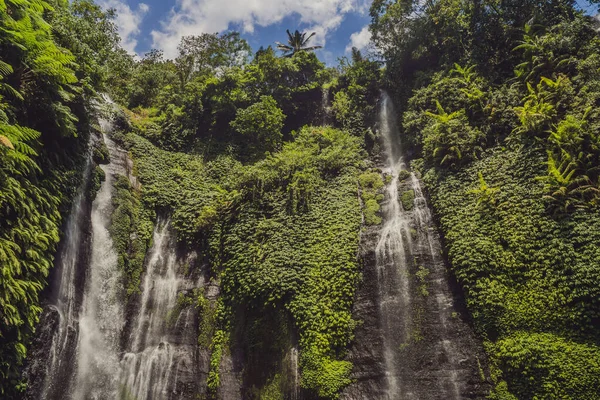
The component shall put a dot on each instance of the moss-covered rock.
(131, 231)
(371, 184)
(407, 198)
(100, 153)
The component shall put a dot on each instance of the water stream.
(65, 300)
(158, 349)
(393, 254)
(81, 352)
(102, 316)
(423, 351)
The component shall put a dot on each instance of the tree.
(205, 53)
(263, 121)
(296, 43)
(150, 75)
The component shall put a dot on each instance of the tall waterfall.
(160, 358)
(393, 256)
(102, 315)
(85, 318)
(429, 352)
(81, 351)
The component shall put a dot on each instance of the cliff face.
(366, 350)
(261, 307)
(416, 342)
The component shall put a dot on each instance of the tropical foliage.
(297, 42)
(497, 103)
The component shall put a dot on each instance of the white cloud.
(192, 17)
(128, 21)
(361, 40)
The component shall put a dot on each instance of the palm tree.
(296, 43)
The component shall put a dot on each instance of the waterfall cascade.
(102, 316)
(85, 320)
(421, 348)
(393, 257)
(159, 361)
(66, 298)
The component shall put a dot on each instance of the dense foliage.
(48, 75)
(500, 100)
(227, 150)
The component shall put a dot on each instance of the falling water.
(65, 301)
(158, 348)
(422, 353)
(102, 317)
(443, 299)
(325, 106)
(295, 373)
(393, 260)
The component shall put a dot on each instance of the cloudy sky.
(147, 24)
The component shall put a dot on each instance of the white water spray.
(102, 317)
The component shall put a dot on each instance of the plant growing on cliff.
(448, 138)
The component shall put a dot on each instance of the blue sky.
(340, 24)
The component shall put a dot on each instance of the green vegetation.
(499, 101)
(261, 123)
(282, 232)
(370, 186)
(131, 231)
(206, 312)
(407, 198)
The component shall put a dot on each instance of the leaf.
(6, 142)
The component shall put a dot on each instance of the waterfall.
(65, 299)
(325, 106)
(163, 337)
(295, 373)
(102, 316)
(423, 345)
(393, 254)
(85, 318)
(81, 351)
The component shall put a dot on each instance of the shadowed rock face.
(415, 342)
